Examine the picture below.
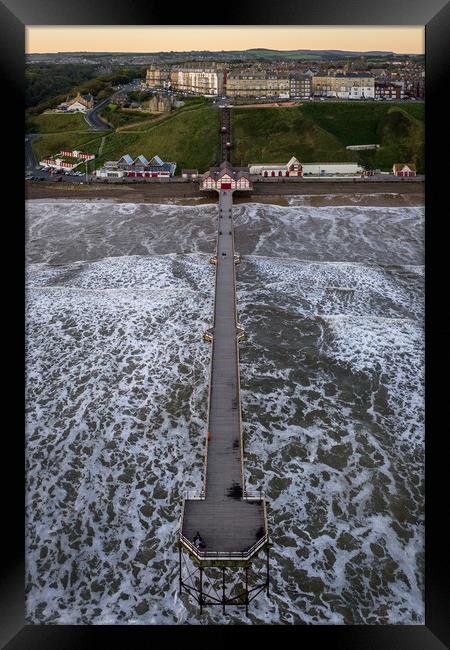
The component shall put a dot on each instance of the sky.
(128, 38)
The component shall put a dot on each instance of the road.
(31, 164)
(92, 117)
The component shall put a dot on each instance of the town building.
(66, 159)
(138, 167)
(157, 77)
(226, 177)
(80, 103)
(160, 104)
(257, 84)
(385, 89)
(200, 81)
(300, 86)
(403, 169)
(344, 86)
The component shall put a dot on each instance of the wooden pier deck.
(231, 522)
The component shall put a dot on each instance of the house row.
(257, 83)
(294, 168)
(66, 159)
(138, 167)
(202, 81)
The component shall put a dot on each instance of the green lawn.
(356, 123)
(58, 122)
(189, 138)
(117, 117)
(275, 134)
(47, 145)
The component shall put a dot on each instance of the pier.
(231, 521)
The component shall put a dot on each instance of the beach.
(320, 193)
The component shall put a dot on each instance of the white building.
(332, 169)
(198, 81)
(292, 168)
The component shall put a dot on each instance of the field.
(313, 132)
(57, 122)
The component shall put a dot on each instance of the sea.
(118, 296)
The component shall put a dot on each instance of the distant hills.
(242, 54)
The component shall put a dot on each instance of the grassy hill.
(190, 138)
(51, 143)
(313, 132)
(57, 122)
(187, 136)
(319, 132)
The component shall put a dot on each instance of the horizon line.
(267, 49)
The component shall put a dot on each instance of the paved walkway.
(225, 521)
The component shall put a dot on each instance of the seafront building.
(295, 168)
(403, 169)
(138, 167)
(292, 168)
(226, 177)
(66, 159)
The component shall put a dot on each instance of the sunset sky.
(403, 40)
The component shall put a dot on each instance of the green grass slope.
(276, 134)
(57, 122)
(49, 144)
(189, 138)
(319, 132)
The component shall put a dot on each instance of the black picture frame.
(435, 16)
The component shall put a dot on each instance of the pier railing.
(200, 554)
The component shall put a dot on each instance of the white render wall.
(331, 168)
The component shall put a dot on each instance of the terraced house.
(258, 84)
(201, 81)
(344, 86)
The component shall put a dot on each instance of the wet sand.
(310, 193)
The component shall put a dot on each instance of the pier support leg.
(246, 591)
(223, 590)
(180, 561)
(267, 569)
(200, 598)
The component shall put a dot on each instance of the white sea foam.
(332, 393)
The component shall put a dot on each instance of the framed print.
(228, 415)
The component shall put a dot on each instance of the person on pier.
(198, 541)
